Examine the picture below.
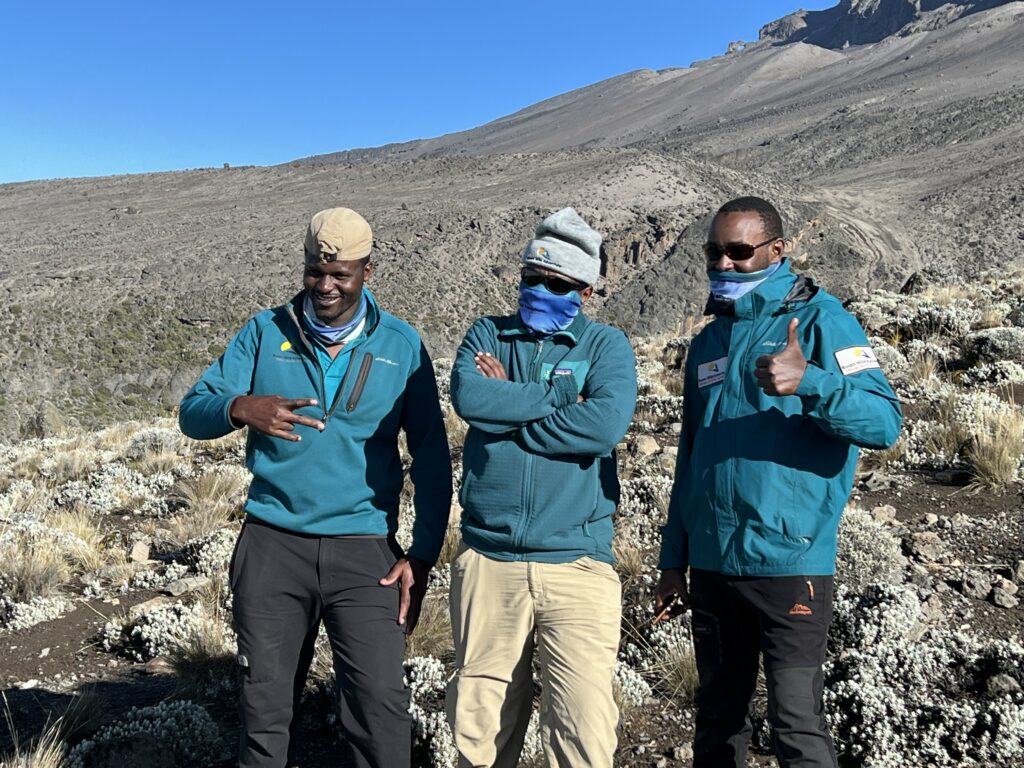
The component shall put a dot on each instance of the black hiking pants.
(735, 621)
(284, 585)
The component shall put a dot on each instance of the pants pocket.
(260, 643)
(237, 556)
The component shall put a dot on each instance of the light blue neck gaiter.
(544, 312)
(729, 287)
(329, 334)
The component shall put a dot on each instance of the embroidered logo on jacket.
(799, 609)
(712, 372)
(856, 359)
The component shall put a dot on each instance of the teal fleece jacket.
(761, 481)
(346, 480)
(539, 477)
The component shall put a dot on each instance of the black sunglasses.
(555, 284)
(735, 251)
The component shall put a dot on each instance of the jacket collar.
(294, 308)
(779, 293)
(571, 334)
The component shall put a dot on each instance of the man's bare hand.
(671, 597)
(781, 373)
(272, 415)
(411, 573)
(490, 366)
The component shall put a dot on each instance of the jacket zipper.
(328, 412)
(316, 361)
(528, 476)
(357, 390)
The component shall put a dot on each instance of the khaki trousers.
(497, 609)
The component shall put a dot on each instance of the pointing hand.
(781, 373)
(273, 415)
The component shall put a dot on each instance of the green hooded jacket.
(761, 481)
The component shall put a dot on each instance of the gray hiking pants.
(284, 585)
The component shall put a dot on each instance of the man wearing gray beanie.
(547, 394)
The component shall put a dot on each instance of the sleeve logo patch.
(712, 372)
(856, 359)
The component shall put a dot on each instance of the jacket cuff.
(227, 413)
(815, 384)
(428, 556)
(673, 553)
(565, 388)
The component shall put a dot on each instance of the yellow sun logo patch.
(286, 346)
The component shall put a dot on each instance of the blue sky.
(98, 88)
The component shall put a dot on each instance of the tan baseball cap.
(338, 234)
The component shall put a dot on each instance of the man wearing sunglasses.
(547, 394)
(780, 391)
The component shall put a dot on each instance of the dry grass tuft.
(156, 463)
(995, 450)
(923, 370)
(86, 553)
(632, 561)
(951, 435)
(203, 662)
(117, 436)
(27, 466)
(71, 465)
(452, 537)
(871, 460)
(433, 634)
(81, 718)
(31, 568)
(48, 751)
(455, 427)
(673, 672)
(211, 501)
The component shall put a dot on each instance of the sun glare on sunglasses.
(555, 284)
(735, 251)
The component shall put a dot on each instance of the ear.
(778, 250)
(586, 293)
(367, 271)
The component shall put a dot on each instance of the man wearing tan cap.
(324, 383)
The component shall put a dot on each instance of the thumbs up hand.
(781, 373)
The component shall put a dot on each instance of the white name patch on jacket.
(712, 372)
(856, 359)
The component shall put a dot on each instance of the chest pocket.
(578, 369)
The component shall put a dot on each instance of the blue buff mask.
(330, 334)
(728, 287)
(544, 312)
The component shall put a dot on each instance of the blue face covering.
(728, 287)
(329, 334)
(544, 312)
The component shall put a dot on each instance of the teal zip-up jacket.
(539, 477)
(347, 479)
(761, 481)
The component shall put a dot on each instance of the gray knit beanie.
(565, 243)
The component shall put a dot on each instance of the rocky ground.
(114, 633)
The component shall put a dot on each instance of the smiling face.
(334, 287)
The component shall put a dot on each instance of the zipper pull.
(810, 589)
